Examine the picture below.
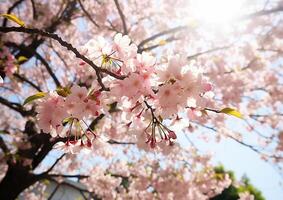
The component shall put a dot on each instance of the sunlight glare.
(217, 11)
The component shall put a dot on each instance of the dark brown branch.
(170, 39)
(60, 57)
(212, 110)
(69, 46)
(33, 9)
(48, 68)
(65, 16)
(47, 145)
(87, 14)
(54, 164)
(170, 31)
(151, 111)
(122, 16)
(79, 176)
(22, 47)
(3, 146)
(16, 107)
(117, 142)
(22, 78)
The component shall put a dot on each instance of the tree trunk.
(16, 180)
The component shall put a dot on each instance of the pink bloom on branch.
(121, 44)
(144, 62)
(51, 112)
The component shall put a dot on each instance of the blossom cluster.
(8, 62)
(167, 182)
(148, 92)
(63, 115)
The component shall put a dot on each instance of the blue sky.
(243, 160)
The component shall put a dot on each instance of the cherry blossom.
(120, 88)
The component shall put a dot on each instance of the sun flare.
(217, 11)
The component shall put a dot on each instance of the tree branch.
(87, 14)
(251, 147)
(16, 107)
(54, 164)
(153, 37)
(10, 10)
(33, 9)
(3, 146)
(69, 46)
(24, 79)
(22, 47)
(170, 39)
(208, 51)
(176, 29)
(262, 13)
(117, 142)
(48, 68)
(122, 16)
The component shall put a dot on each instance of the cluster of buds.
(157, 132)
(8, 63)
(79, 136)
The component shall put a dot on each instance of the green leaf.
(65, 91)
(3, 132)
(14, 18)
(67, 120)
(22, 59)
(34, 97)
(231, 111)
(162, 42)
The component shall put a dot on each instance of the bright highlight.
(217, 11)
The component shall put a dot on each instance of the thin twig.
(122, 16)
(208, 51)
(17, 107)
(54, 164)
(69, 46)
(87, 14)
(24, 79)
(153, 37)
(10, 10)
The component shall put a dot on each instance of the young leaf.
(67, 120)
(14, 18)
(65, 91)
(231, 111)
(22, 59)
(162, 42)
(34, 97)
(3, 132)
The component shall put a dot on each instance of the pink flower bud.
(207, 87)
(172, 135)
